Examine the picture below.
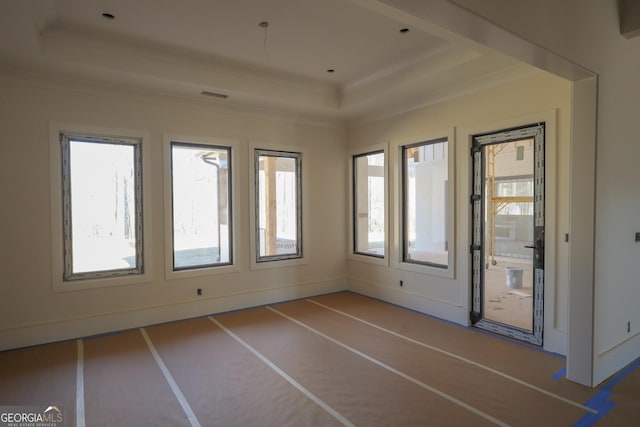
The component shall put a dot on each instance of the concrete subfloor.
(509, 306)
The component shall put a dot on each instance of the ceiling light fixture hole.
(109, 16)
(264, 24)
(331, 70)
(404, 30)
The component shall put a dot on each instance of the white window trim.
(170, 274)
(57, 241)
(279, 263)
(384, 261)
(398, 238)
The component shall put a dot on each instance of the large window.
(102, 207)
(425, 176)
(201, 209)
(369, 204)
(278, 205)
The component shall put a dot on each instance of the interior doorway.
(508, 232)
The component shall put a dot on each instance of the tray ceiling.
(382, 60)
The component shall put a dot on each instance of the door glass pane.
(508, 228)
(200, 194)
(368, 206)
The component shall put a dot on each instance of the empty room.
(337, 212)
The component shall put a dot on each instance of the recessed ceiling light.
(404, 30)
(109, 16)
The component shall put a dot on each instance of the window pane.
(278, 205)
(516, 187)
(368, 204)
(425, 180)
(101, 214)
(201, 211)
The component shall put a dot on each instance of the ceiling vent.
(214, 94)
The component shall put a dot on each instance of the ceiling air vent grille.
(214, 94)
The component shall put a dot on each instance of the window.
(278, 205)
(425, 205)
(102, 207)
(201, 208)
(369, 204)
(515, 187)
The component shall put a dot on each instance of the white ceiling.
(188, 46)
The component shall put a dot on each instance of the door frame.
(556, 250)
(479, 146)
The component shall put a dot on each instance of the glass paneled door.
(508, 232)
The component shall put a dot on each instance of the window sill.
(369, 259)
(107, 282)
(200, 272)
(447, 272)
(278, 263)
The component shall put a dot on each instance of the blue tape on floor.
(560, 374)
(599, 402)
(626, 371)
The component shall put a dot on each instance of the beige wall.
(583, 31)
(510, 104)
(31, 312)
(587, 33)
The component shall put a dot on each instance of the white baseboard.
(25, 336)
(442, 309)
(616, 358)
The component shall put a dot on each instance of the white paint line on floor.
(395, 371)
(458, 357)
(284, 375)
(174, 387)
(80, 385)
